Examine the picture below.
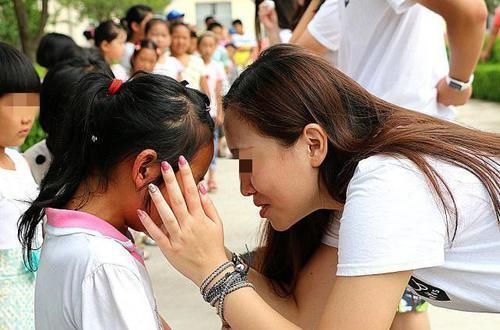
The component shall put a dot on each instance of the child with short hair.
(91, 275)
(19, 88)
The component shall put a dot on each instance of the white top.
(214, 73)
(91, 277)
(127, 54)
(119, 72)
(17, 189)
(392, 221)
(169, 66)
(325, 28)
(39, 159)
(396, 50)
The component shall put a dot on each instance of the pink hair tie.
(114, 86)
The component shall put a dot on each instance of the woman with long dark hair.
(362, 197)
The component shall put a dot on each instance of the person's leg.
(412, 313)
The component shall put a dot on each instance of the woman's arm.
(304, 21)
(465, 21)
(194, 245)
(314, 286)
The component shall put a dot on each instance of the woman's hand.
(191, 237)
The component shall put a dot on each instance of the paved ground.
(179, 300)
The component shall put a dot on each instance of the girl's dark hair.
(58, 89)
(54, 48)
(106, 31)
(152, 22)
(17, 74)
(144, 44)
(148, 112)
(287, 88)
(135, 14)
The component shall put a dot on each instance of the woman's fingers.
(156, 233)
(167, 216)
(176, 199)
(190, 190)
(207, 205)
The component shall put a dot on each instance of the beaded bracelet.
(214, 274)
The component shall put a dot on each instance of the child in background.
(216, 77)
(135, 21)
(19, 88)
(145, 56)
(157, 30)
(57, 92)
(110, 40)
(91, 276)
(193, 68)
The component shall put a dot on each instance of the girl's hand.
(267, 16)
(191, 237)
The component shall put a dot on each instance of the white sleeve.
(325, 25)
(391, 221)
(113, 297)
(400, 6)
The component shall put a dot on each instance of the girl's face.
(207, 47)
(138, 29)
(113, 50)
(160, 35)
(145, 60)
(17, 113)
(283, 181)
(180, 40)
(135, 198)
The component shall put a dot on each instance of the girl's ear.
(135, 26)
(316, 140)
(145, 169)
(104, 46)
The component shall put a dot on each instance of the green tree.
(100, 10)
(492, 4)
(22, 23)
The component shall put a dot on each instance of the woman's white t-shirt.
(392, 221)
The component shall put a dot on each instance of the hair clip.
(207, 107)
(184, 83)
(114, 86)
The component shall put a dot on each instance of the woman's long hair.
(288, 88)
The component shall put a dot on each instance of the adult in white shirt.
(396, 49)
(416, 199)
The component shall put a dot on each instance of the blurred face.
(230, 51)
(160, 35)
(17, 113)
(138, 29)
(180, 40)
(145, 60)
(219, 32)
(207, 47)
(281, 180)
(113, 50)
(238, 28)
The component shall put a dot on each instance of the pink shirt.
(214, 73)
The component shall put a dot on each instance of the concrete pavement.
(179, 300)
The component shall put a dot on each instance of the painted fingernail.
(182, 160)
(140, 214)
(165, 166)
(202, 189)
(152, 188)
